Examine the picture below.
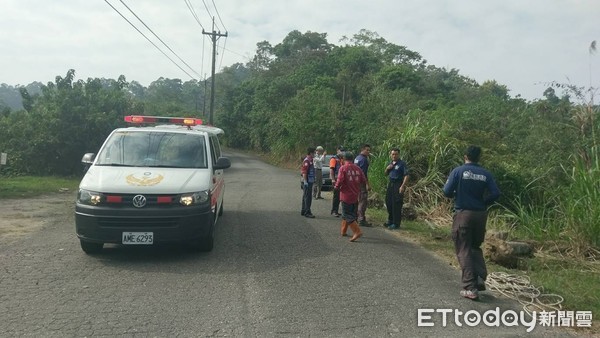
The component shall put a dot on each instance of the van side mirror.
(87, 161)
(222, 163)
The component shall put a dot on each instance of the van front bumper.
(107, 224)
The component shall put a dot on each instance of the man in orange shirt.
(349, 182)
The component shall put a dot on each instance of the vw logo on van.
(139, 201)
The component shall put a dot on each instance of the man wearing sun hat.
(318, 163)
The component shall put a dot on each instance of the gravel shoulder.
(20, 217)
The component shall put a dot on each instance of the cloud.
(517, 43)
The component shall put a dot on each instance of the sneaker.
(393, 227)
(335, 214)
(470, 294)
(309, 215)
(364, 224)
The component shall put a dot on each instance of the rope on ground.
(521, 289)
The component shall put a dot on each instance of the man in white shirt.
(318, 163)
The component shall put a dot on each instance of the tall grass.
(569, 214)
(430, 154)
(541, 220)
(582, 199)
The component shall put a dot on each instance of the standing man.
(334, 167)
(349, 182)
(318, 163)
(473, 189)
(308, 179)
(397, 172)
(362, 161)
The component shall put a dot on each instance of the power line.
(214, 36)
(203, 49)
(159, 39)
(219, 15)
(160, 50)
(236, 53)
(191, 8)
(208, 10)
(193, 11)
(223, 52)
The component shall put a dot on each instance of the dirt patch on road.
(19, 217)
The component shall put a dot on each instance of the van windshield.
(154, 149)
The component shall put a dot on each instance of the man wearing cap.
(318, 163)
(334, 167)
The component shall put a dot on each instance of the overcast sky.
(523, 44)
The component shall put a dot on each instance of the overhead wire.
(225, 29)
(222, 53)
(193, 11)
(149, 40)
(190, 6)
(218, 15)
(159, 39)
(208, 10)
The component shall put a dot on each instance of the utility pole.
(214, 37)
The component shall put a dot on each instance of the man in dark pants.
(474, 190)
(308, 179)
(397, 172)
(362, 161)
(349, 183)
(334, 167)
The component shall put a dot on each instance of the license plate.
(143, 238)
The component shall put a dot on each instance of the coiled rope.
(521, 289)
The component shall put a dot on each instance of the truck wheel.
(90, 247)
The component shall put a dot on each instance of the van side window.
(215, 148)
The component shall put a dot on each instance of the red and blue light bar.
(185, 121)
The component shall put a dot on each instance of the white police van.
(158, 182)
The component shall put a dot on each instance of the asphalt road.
(272, 273)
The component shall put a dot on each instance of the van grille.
(142, 222)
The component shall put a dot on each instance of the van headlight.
(194, 198)
(89, 197)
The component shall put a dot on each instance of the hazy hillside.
(11, 97)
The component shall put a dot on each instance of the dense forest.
(305, 91)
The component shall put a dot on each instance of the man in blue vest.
(473, 189)
(308, 179)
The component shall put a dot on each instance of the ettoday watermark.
(508, 318)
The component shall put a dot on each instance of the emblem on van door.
(139, 201)
(145, 179)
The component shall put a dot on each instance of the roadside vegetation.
(305, 91)
(35, 186)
